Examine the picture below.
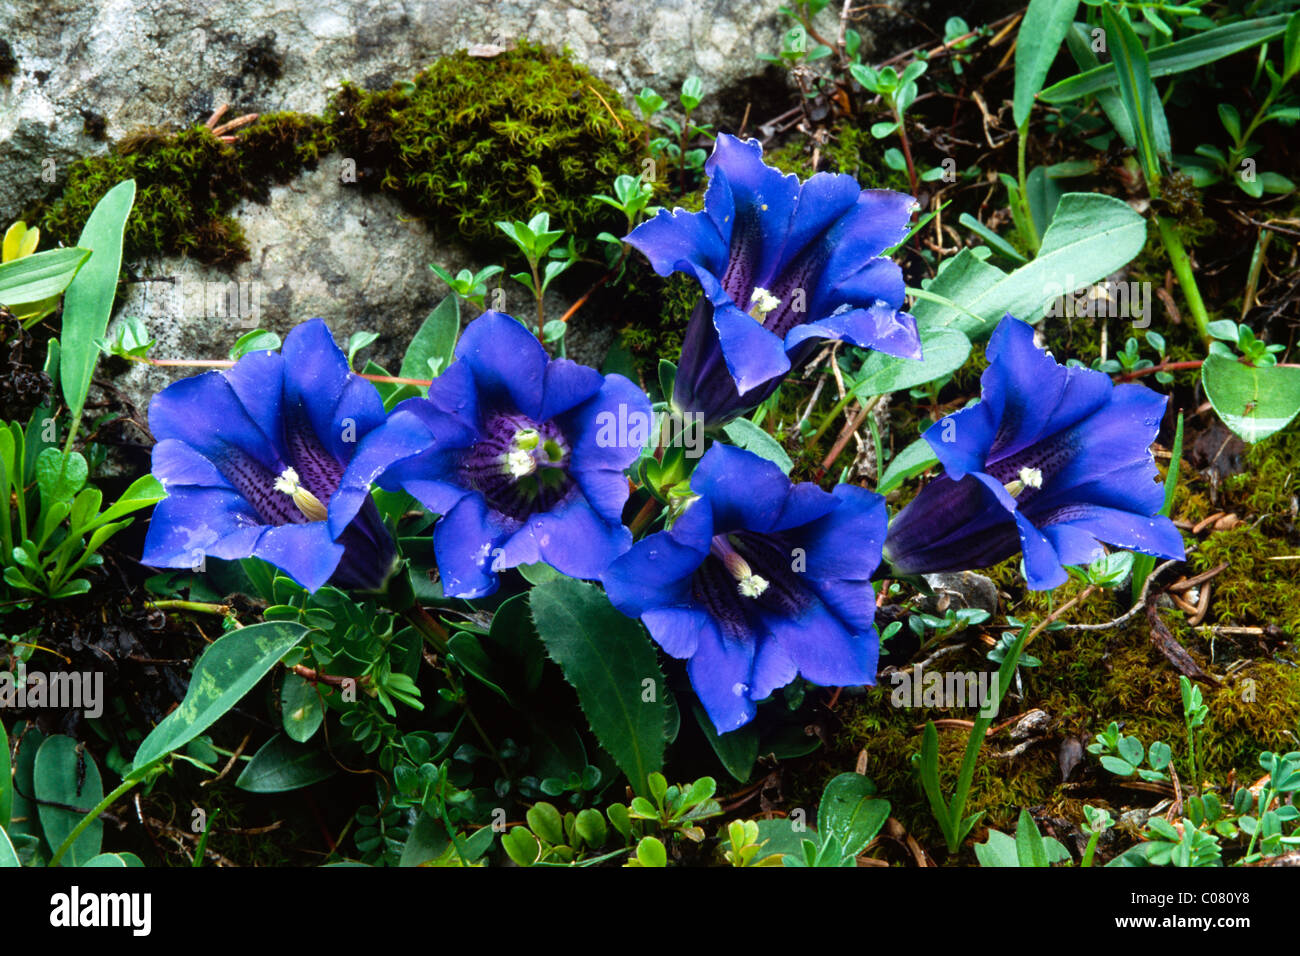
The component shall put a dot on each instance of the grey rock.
(161, 62)
(319, 248)
(960, 590)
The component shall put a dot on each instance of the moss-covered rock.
(471, 141)
(476, 140)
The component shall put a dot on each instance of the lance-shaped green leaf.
(229, 668)
(1090, 237)
(434, 345)
(40, 276)
(88, 302)
(1135, 89)
(611, 663)
(65, 775)
(1177, 57)
(1041, 32)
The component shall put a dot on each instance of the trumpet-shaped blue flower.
(521, 455)
(253, 459)
(1052, 461)
(786, 263)
(758, 581)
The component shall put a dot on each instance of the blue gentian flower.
(785, 264)
(1052, 461)
(758, 581)
(253, 459)
(521, 455)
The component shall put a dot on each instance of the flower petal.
(720, 673)
(191, 523)
(676, 629)
(825, 652)
(463, 542)
(744, 490)
(571, 538)
(206, 414)
(306, 552)
(508, 362)
(655, 573)
(754, 355)
(880, 327)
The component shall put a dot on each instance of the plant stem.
(196, 606)
(1026, 213)
(91, 817)
(1266, 801)
(429, 627)
(1182, 266)
(643, 517)
(907, 149)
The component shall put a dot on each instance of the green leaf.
(466, 651)
(650, 852)
(8, 855)
(1253, 402)
(357, 341)
(1039, 39)
(1178, 57)
(58, 779)
(944, 349)
(229, 668)
(1091, 236)
(1000, 245)
(1135, 88)
(998, 850)
(143, 492)
(1291, 48)
(428, 840)
(281, 764)
(912, 460)
(1131, 749)
(612, 665)
(258, 340)
(106, 861)
(851, 812)
(434, 345)
(6, 779)
(59, 479)
(750, 437)
(738, 749)
(784, 836)
(301, 709)
(1029, 842)
(88, 302)
(1118, 766)
(41, 276)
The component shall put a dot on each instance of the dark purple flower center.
(1046, 457)
(787, 297)
(747, 574)
(310, 468)
(518, 465)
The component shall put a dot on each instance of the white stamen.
(519, 463)
(761, 303)
(288, 483)
(752, 585)
(1032, 477)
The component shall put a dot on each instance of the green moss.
(471, 141)
(186, 183)
(476, 140)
